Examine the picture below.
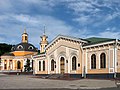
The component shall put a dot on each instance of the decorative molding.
(62, 46)
(39, 56)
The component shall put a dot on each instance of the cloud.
(26, 19)
(53, 28)
(34, 26)
(112, 16)
(5, 5)
(95, 11)
(26, 6)
(43, 4)
(81, 6)
(35, 14)
(3, 17)
(2, 39)
(110, 34)
(83, 20)
(107, 33)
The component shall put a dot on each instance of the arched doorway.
(18, 65)
(62, 65)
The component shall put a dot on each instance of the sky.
(78, 18)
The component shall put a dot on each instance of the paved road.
(30, 82)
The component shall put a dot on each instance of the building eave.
(38, 56)
(99, 44)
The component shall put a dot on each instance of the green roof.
(95, 40)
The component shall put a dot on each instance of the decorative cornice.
(99, 44)
(39, 56)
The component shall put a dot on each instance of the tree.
(5, 48)
(27, 66)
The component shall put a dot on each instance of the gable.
(67, 39)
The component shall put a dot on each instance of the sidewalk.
(29, 82)
(2, 74)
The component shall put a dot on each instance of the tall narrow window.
(5, 65)
(25, 37)
(43, 65)
(93, 61)
(10, 63)
(39, 65)
(52, 65)
(18, 65)
(74, 63)
(103, 60)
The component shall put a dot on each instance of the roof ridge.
(99, 38)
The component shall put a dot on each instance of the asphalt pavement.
(30, 82)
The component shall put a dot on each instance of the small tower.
(25, 37)
(43, 42)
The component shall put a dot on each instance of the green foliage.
(5, 48)
(0, 60)
(27, 66)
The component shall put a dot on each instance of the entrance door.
(62, 65)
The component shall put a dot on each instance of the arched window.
(74, 63)
(12, 48)
(20, 47)
(93, 61)
(52, 65)
(25, 37)
(18, 65)
(103, 60)
(30, 47)
(43, 65)
(39, 65)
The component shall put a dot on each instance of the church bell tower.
(25, 37)
(43, 42)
